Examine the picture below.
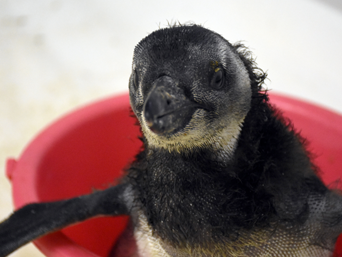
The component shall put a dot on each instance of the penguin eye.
(217, 79)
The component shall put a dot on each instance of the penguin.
(221, 173)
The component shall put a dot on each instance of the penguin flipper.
(35, 220)
(328, 214)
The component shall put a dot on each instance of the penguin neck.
(222, 148)
(219, 149)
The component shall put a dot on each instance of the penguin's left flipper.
(38, 219)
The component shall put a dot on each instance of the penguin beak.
(166, 109)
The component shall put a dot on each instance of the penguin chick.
(221, 172)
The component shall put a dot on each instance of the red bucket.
(89, 148)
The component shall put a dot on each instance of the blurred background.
(56, 55)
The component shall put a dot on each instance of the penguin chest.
(274, 242)
(147, 244)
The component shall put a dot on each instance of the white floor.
(57, 55)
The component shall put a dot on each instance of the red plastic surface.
(85, 150)
(89, 148)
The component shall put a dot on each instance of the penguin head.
(189, 90)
